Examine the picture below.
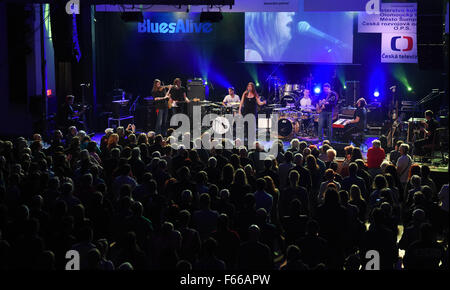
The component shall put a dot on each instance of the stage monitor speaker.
(376, 116)
(195, 91)
(339, 147)
(120, 111)
(352, 93)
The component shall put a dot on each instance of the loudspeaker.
(61, 26)
(352, 93)
(430, 31)
(120, 110)
(339, 147)
(430, 56)
(195, 91)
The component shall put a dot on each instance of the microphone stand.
(213, 91)
(133, 106)
(83, 86)
(270, 76)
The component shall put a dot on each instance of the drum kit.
(293, 119)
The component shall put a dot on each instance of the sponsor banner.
(393, 18)
(239, 6)
(398, 48)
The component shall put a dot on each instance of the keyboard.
(339, 123)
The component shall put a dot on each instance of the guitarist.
(178, 98)
(70, 117)
(325, 108)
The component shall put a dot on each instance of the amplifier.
(409, 103)
(347, 111)
(196, 91)
(408, 109)
(195, 82)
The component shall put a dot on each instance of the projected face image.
(322, 37)
(267, 35)
(284, 22)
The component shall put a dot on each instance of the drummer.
(231, 99)
(305, 102)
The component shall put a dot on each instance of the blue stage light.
(376, 94)
(317, 90)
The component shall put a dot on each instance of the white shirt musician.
(231, 98)
(305, 102)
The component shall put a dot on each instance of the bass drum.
(289, 99)
(287, 127)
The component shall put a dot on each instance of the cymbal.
(121, 101)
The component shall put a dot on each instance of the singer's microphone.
(305, 28)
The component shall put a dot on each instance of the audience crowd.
(140, 201)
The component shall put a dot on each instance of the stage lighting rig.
(210, 3)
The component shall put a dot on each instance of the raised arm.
(260, 103)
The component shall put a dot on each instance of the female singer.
(250, 100)
(161, 98)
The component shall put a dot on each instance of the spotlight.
(206, 82)
(317, 90)
(257, 84)
(409, 89)
(376, 94)
(345, 87)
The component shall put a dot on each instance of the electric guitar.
(321, 105)
(81, 109)
(173, 103)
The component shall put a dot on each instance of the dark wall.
(15, 116)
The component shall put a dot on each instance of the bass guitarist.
(178, 100)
